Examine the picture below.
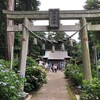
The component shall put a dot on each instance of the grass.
(71, 93)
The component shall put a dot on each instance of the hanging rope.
(41, 38)
(76, 32)
(53, 41)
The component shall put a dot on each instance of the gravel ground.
(55, 89)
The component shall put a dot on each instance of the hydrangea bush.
(35, 76)
(90, 91)
(10, 84)
(74, 73)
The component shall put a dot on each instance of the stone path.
(55, 89)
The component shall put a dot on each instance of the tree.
(3, 5)
(9, 35)
(94, 37)
(93, 4)
(19, 5)
(26, 5)
(36, 50)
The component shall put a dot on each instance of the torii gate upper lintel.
(43, 15)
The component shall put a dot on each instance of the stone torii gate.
(81, 15)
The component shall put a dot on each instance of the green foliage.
(31, 62)
(5, 63)
(3, 5)
(74, 73)
(94, 37)
(59, 36)
(19, 5)
(10, 84)
(90, 91)
(17, 43)
(92, 4)
(36, 50)
(35, 76)
(26, 4)
(95, 71)
(16, 65)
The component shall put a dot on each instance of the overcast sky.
(62, 5)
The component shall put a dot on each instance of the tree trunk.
(9, 35)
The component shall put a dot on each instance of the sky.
(62, 5)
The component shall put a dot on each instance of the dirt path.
(55, 89)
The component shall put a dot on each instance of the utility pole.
(85, 51)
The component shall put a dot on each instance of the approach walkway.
(55, 89)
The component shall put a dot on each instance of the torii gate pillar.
(24, 49)
(85, 51)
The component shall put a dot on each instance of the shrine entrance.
(54, 16)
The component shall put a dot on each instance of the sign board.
(53, 18)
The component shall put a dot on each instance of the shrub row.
(10, 84)
(73, 72)
(89, 90)
(35, 75)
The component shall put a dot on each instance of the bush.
(74, 73)
(67, 70)
(16, 65)
(29, 62)
(10, 84)
(90, 91)
(35, 76)
(4, 63)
